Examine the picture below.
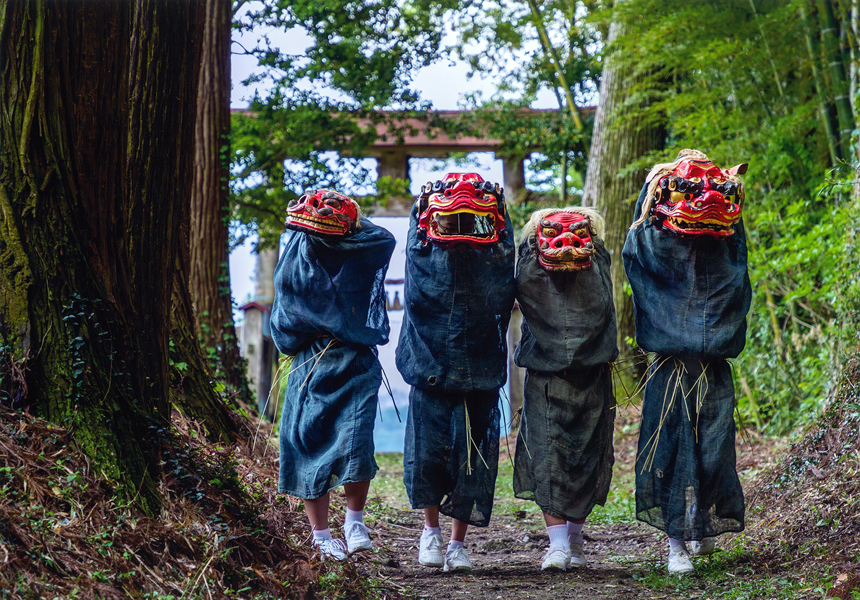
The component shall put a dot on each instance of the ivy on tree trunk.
(97, 112)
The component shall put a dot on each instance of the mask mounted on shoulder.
(323, 213)
(462, 208)
(697, 198)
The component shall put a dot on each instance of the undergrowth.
(223, 532)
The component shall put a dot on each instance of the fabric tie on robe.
(329, 313)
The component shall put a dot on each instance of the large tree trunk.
(96, 139)
(209, 262)
(615, 144)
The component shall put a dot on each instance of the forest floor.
(802, 537)
(626, 559)
(224, 532)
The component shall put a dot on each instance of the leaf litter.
(223, 530)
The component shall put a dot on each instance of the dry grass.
(223, 531)
(805, 512)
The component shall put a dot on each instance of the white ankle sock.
(574, 531)
(558, 536)
(677, 545)
(433, 530)
(353, 516)
(322, 534)
(454, 544)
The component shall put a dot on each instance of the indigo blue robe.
(329, 313)
(453, 352)
(691, 297)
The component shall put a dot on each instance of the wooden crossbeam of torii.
(402, 138)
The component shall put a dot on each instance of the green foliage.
(360, 59)
(502, 40)
(739, 86)
(730, 573)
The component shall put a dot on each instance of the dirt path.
(507, 555)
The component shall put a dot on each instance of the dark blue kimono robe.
(453, 352)
(329, 313)
(691, 296)
(564, 453)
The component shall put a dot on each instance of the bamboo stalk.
(769, 53)
(550, 50)
(837, 73)
(823, 113)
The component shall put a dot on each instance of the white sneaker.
(356, 537)
(680, 563)
(703, 548)
(430, 550)
(577, 555)
(556, 559)
(457, 561)
(332, 548)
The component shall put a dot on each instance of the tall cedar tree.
(210, 253)
(97, 105)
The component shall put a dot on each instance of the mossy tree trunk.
(97, 107)
(209, 258)
(610, 186)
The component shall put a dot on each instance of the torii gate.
(407, 137)
(411, 137)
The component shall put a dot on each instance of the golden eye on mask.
(676, 197)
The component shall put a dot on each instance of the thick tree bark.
(96, 140)
(193, 392)
(615, 144)
(209, 259)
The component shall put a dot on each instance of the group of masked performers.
(685, 257)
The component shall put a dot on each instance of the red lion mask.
(461, 209)
(564, 241)
(698, 198)
(323, 213)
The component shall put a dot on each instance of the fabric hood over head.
(568, 317)
(691, 295)
(457, 309)
(323, 285)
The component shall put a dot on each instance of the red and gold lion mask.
(693, 197)
(323, 213)
(564, 242)
(462, 208)
(563, 237)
